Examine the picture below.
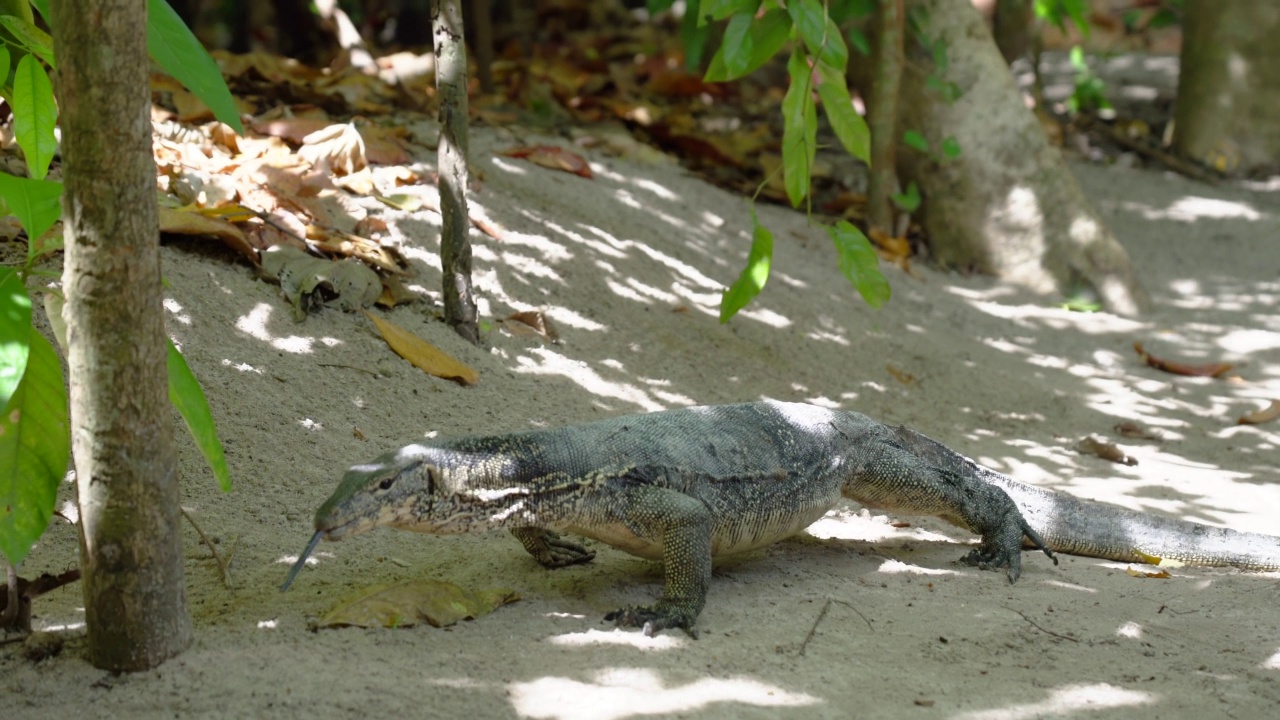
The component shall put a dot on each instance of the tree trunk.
(1008, 205)
(882, 117)
(122, 423)
(1229, 87)
(451, 157)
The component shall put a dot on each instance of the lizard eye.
(387, 483)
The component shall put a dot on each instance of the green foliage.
(753, 277)
(34, 115)
(34, 426)
(1090, 90)
(1059, 11)
(799, 129)
(188, 397)
(909, 201)
(859, 263)
(35, 444)
(817, 62)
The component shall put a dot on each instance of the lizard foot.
(551, 550)
(652, 619)
(1002, 546)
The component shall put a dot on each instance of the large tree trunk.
(1229, 88)
(1008, 205)
(122, 423)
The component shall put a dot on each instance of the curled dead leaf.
(551, 156)
(1137, 431)
(1267, 414)
(1093, 445)
(531, 323)
(422, 354)
(901, 375)
(1180, 368)
(1157, 574)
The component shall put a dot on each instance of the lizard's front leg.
(551, 550)
(682, 525)
(887, 476)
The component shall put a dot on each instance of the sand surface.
(858, 618)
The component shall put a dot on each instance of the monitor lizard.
(682, 486)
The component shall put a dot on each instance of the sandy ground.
(858, 618)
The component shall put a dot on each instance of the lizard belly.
(748, 533)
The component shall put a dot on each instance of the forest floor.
(859, 617)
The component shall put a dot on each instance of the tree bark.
(1008, 205)
(451, 157)
(122, 423)
(1229, 86)
(882, 117)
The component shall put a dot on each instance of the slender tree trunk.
(1229, 87)
(122, 423)
(882, 117)
(1008, 205)
(451, 157)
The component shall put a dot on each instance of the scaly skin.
(682, 486)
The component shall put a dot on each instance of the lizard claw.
(650, 620)
(1002, 547)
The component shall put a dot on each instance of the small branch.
(823, 614)
(1038, 627)
(222, 566)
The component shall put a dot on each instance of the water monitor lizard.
(684, 485)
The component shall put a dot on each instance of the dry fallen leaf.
(901, 375)
(423, 354)
(437, 603)
(1179, 368)
(1131, 429)
(531, 323)
(553, 157)
(182, 222)
(1107, 451)
(1267, 414)
(1158, 574)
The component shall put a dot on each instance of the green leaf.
(34, 115)
(15, 331)
(34, 202)
(35, 444)
(693, 36)
(859, 41)
(819, 33)
(909, 201)
(913, 139)
(187, 396)
(859, 262)
(848, 125)
(951, 147)
(799, 129)
(721, 9)
(737, 45)
(181, 55)
(31, 38)
(657, 6)
(4, 65)
(753, 277)
(768, 35)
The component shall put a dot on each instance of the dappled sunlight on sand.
(1068, 700)
(617, 693)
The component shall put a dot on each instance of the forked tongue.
(302, 560)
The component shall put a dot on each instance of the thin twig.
(823, 613)
(1038, 627)
(222, 566)
(348, 367)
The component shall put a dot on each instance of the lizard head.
(397, 489)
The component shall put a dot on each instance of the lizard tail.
(1083, 527)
